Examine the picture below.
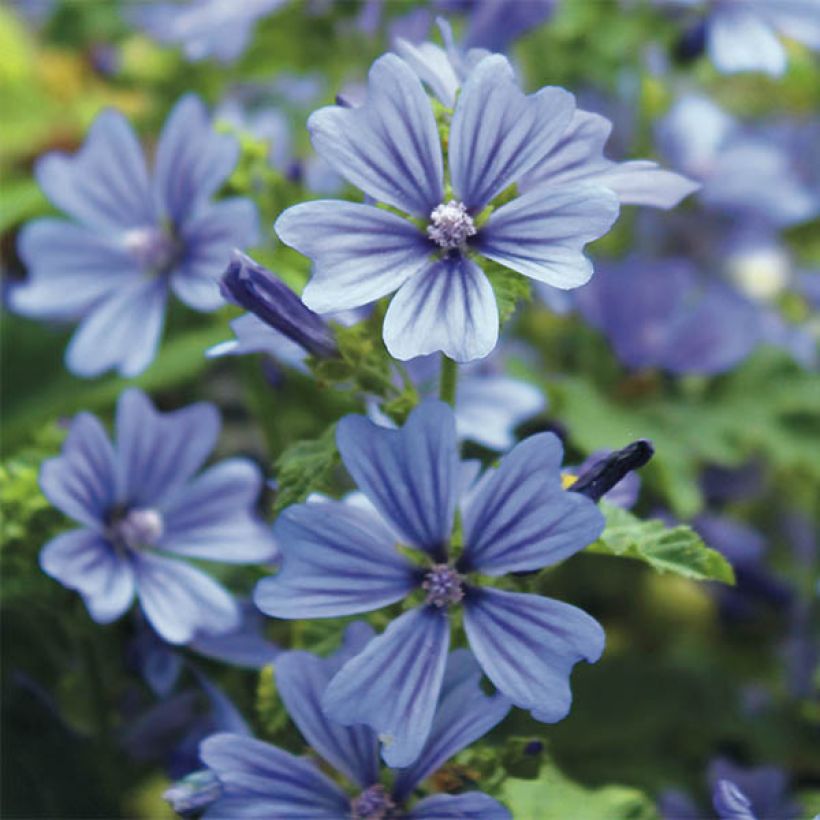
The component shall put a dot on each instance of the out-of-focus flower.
(142, 508)
(730, 803)
(656, 313)
(220, 29)
(741, 35)
(134, 237)
(746, 173)
(341, 559)
(764, 788)
(496, 24)
(390, 148)
(260, 780)
(194, 792)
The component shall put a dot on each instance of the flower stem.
(448, 380)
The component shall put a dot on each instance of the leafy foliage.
(306, 467)
(679, 550)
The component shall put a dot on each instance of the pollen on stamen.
(138, 528)
(450, 225)
(374, 803)
(443, 585)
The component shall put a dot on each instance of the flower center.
(153, 248)
(443, 585)
(138, 528)
(374, 803)
(450, 225)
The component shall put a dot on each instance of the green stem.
(449, 378)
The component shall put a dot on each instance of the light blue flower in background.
(142, 508)
(134, 236)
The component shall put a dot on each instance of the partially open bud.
(603, 476)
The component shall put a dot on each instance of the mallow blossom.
(142, 508)
(134, 237)
(258, 779)
(390, 148)
(221, 29)
(342, 559)
(742, 35)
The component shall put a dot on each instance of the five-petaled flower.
(259, 780)
(341, 558)
(134, 237)
(390, 148)
(141, 507)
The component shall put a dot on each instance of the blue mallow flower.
(745, 172)
(341, 559)
(730, 803)
(741, 35)
(656, 313)
(220, 29)
(261, 780)
(134, 236)
(763, 792)
(141, 508)
(577, 157)
(390, 148)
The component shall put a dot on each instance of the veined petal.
(301, 680)
(122, 332)
(450, 306)
(389, 147)
(542, 233)
(409, 474)
(521, 519)
(181, 601)
(337, 560)
(360, 253)
(84, 561)
(498, 134)
(394, 684)
(739, 40)
(70, 269)
(528, 644)
(475, 805)
(81, 480)
(432, 65)
(159, 452)
(464, 714)
(209, 236)
(642, 182)
(270, 780)
(105, 184)
(213, 517)
(192, 159)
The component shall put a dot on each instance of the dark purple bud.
(603, 476)
(692, 43)
(249, 285)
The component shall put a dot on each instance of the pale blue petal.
(245, 646)
(213, 517)
(301, 680)
(180, 601)
(409, 474)
(337, 560)
(192, 159)
(70, 269)
(389, 147)
(121, 332)
(210, 236)
(521, 519)
(360, 253)
(394, 684)
(527, 646)
(542, 233)
(738, 40)
(463, 715)
(498, 134)
(449, 307)
(84, 561)
(798, 19)
(275, 783)
(642, 182)
(159, 452)
(432, 66)
(255, 336)
(472, 805)
(81, 480)
(105, 184)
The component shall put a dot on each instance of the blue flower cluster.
(467, 184)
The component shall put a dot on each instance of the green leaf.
(509, 288)
(270, 709)
(679, 550)
(304, 467)
(553, 797)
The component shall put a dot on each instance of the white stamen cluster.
(450, 225)
(138, 528)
